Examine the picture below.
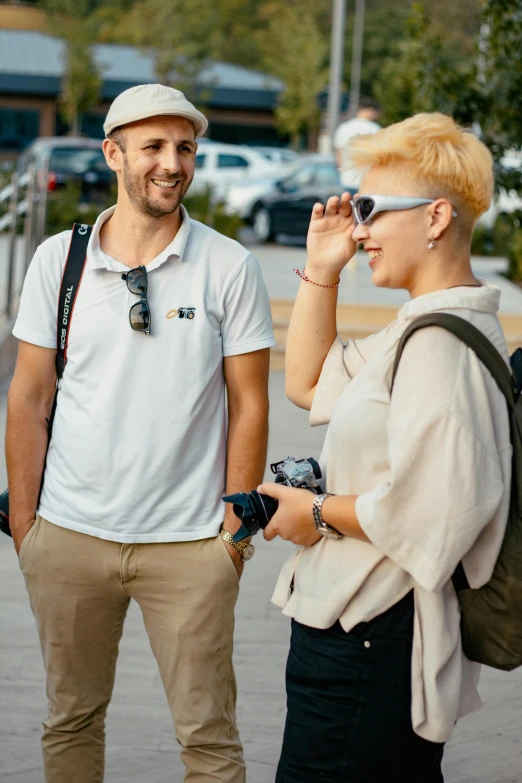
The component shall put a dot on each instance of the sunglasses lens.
(137, 281)
(139, 317)
(364, 208)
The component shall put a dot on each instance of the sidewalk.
(277, 263)
(140, 739)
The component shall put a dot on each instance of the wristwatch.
(245, 550)
(322, 528)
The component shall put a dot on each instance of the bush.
(202, 207)
(515, 256)
(507, 234)
(64, 207)
(483, 242)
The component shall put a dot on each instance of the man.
(142, 449)
(365, 121)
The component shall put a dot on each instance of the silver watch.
(322, 528)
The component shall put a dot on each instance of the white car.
(219, 165)
(278, 154)
(242, 198)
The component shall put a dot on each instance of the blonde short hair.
(445, 158)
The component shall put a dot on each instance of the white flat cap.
(152, 100)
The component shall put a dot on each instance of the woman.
(419, 480)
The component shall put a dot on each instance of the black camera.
(256, 510)
(4, 513)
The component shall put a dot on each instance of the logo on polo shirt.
(182, 312)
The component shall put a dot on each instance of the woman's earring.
(431, 244)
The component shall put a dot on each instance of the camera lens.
(254, 510)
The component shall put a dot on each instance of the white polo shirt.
(139, 439)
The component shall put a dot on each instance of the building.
(238, 102)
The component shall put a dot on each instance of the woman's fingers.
(317, 211)
(332, 206)
(270, 532)
(345, 206)
(271, 489)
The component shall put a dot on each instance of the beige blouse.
(432, 468)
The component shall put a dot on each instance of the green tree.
(73, 21)
(176, 34)
(501, 79)
(431, 71)
(484, 91)
(294, 50)
(234, 38)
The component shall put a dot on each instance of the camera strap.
(71, 279)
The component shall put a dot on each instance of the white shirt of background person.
(364, 122)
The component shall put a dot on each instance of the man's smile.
(165, 183)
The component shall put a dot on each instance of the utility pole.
(357, 51)
(336, 66)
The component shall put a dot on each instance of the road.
(486, 747)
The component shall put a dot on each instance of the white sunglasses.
(364, 208)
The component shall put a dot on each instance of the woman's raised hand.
(329, 242)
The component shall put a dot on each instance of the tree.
(294, 50)
(176, 34)
(73, 21)
(235, 36)
(502, 73)
(483, 92)
(431, 70)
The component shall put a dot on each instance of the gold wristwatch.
(245, 550)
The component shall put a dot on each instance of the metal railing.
(26, 196)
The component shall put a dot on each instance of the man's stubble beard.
(143, 203)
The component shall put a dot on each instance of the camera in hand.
(256, 510)
(4, 513)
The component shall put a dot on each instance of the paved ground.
(486, 747)
(278, 262)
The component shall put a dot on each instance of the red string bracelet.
(321, 285)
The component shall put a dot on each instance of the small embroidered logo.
(183, 312)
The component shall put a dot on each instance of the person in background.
(364, 122)
(159, 414)
(417, 481)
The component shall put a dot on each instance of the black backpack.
(71, 279)
(491, 616)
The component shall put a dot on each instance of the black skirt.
(349, 705)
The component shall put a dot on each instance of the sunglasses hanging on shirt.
(139, 315)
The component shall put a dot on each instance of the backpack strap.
(485, 352)
(71, 279)
(470, 336)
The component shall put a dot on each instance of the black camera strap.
(71, 279)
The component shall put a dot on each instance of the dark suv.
(69, 158)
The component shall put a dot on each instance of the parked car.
(243, 198)
(69, 158)
(286, 204)
(277, 154)
(218, 165)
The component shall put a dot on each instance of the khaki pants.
(80, 587)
